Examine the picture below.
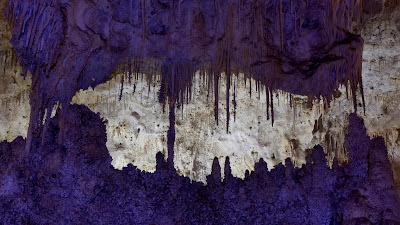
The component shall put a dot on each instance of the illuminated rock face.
(295, 130)
(301, 47)
(274, 144)
(136, 128)
(314, 52)
(14, 91)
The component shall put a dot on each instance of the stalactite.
(272, 107)
(250, 87)
(216, 79)
(122, 87)
(130, 72)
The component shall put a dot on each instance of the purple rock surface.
(73, 182)
(302, 47)
(62, 173)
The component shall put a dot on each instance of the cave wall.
(62, 170)
(72, 45)
(380, 74)
(312, 126)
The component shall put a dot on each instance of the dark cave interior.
(62, 174)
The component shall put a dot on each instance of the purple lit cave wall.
(61, 173)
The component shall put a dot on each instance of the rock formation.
(61, 172)
(314, 53)
(72, 182)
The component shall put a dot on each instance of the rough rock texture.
(136, 127)
(73, 183)
(244, 145)
(383, 67)
(381, 75)
(295, 129)
(14, 90)
(314, 39)
(72, 45)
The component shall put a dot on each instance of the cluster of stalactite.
(72, 45)
(8, 59)
(176, 90)
(176, 87)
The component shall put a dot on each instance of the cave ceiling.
(302, 47)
